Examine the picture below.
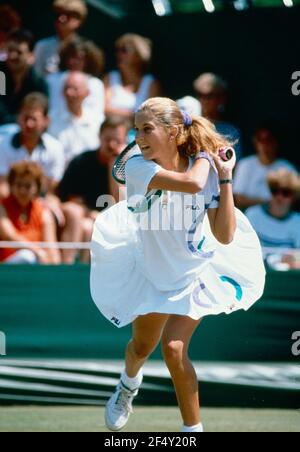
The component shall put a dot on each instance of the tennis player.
(163, 278)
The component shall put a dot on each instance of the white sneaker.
(119, 407)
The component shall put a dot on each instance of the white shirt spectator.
(274, 232)
(77, 135)
(123, 99)
(251, 177)
(48, 154)
(95, 102)
(190, 105)
(47, 56)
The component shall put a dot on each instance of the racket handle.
(226, 154)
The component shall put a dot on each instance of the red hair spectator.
(24, 218)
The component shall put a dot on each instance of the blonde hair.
(201, 135)
(284, 178)
(142, 47)
(209, 82)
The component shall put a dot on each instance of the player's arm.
(222, 220)
(193, 181)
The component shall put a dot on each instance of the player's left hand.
(225, 169)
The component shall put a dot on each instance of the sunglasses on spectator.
(285, 192)
(67, 15)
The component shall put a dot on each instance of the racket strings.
(119, 170)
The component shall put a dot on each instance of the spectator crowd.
(64, 120)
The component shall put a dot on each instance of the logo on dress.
(192, 207)
(116, 321)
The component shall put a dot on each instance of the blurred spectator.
(83, 56)
(9, 21)
(24, 218)
(88, 177)
(250, 185)
(69, 17)
(21, 78)
(190, 105)
(276, 224)
(78, 128)
(129, 86)
(212, 92)
(32, 143)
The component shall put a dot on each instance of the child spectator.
(24, 218)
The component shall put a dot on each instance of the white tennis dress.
(155, 253)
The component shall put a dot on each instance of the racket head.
(118, 172)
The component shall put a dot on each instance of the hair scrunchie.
(187, 119)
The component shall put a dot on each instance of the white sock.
(132, 383)
(194, 428)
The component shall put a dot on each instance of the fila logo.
(116, 321)
(197, 207)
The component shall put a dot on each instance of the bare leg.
(72, 232)
(147, 331)
(175, 343)
(87, 226)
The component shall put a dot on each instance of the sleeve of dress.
(139, 173)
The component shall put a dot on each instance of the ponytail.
(195, 133)
(201, 135)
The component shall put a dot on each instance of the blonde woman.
(131, 84)
(164, 277)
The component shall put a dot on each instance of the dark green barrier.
(47, 312)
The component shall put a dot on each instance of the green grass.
(78, 419)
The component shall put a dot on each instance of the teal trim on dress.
(151, 198)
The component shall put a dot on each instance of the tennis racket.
(226, 154)
(132, 150)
